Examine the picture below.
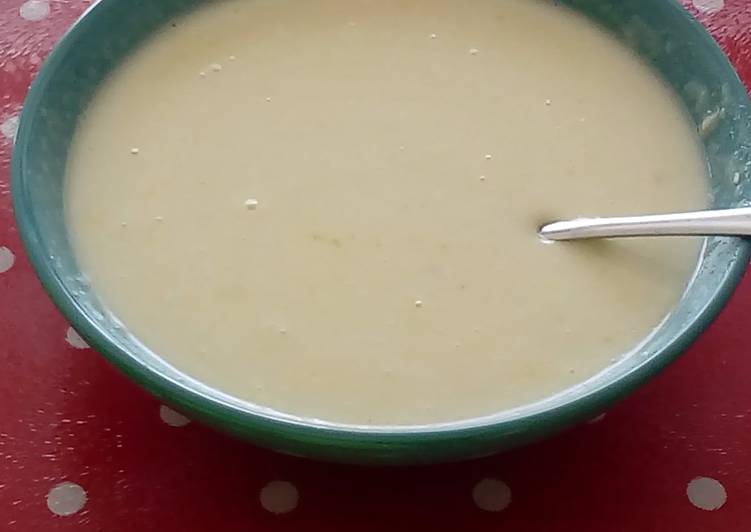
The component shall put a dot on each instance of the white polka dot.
(596, 419)
(491, 495)
(172, 418)
(66, 498)
(74, 339)
(7, 259)
(34, 10)
(706, 493)
(9, 127)
(279, 497)
(709, 6)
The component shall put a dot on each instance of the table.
(83, 449)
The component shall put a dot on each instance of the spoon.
(725, 222)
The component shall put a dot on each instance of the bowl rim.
(182, 392)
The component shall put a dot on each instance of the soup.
(329, 208)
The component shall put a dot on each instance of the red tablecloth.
(82, 449)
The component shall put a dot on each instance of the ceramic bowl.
(666, 36)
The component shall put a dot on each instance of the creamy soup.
(329, 207)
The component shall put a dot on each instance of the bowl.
(665, 35)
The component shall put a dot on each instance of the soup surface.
(330, 207)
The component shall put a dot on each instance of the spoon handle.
(725, 222)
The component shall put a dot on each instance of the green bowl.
(661, 32)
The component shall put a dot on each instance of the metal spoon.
(726, 222)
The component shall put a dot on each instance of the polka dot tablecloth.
(82, 449)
